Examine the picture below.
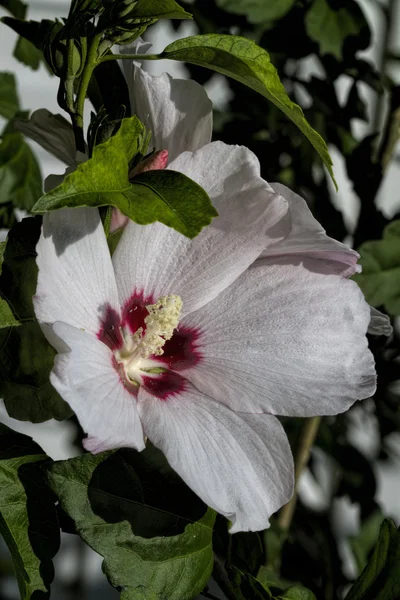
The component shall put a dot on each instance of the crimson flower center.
(136, 356)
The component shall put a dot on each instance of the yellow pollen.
(161, 321)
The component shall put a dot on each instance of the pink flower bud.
(155, 162)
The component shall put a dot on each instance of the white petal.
(158, 261)
(231, 177)
(76, 281)
(52, 132)
(86, 378)
(239, 464)
(308, 238)
(178, 112)
(379, 324)
(286, 340)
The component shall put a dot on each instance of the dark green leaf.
(160, 9)
(20, 176)
(330, 27)
(9, 103)
(296, 592)
(165, 196)
(380, 579)
(380, 277)
(363, 543)
(134, 511)
(108, 88)
(28, 521)
(257, 11)
(245, 586)
(246, 62)
(2, 250)
(34, 31)
(27, 53)
(15, 7)
(26, 357)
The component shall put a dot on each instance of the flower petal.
(379, 323)
(239, 464)
(178, 112)
(156, 260)
(85, 377)
(308, 238)
(285, 339)
(76, 282)
(52, 132)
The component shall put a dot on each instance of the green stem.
(77, 117)
(131, 57)
(307, 439)
(389, 21)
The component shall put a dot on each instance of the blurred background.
(347, 80)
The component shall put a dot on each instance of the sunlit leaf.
(165, 196)
(243, 60)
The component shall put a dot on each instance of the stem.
(131, 57)
(389, 20)
(307, 439)
(77, 116)
(391, 132)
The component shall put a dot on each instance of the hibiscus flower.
(199, 344)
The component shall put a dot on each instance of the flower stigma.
(136, 354)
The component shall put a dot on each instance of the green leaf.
(35, 32)
(165, 196)
(362, 544)
(296, 592)
(159, 9)
(245, 586)
(380, 579)
(28, 520)
(243, 60)
(133, 510)
(27, 53)
(20, 176)
(257, 11)
(380, 277)
(15, 7)
(26, 358)
(7, 318)
(9, 103)
(330, 27)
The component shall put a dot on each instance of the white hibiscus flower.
(198, 344)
